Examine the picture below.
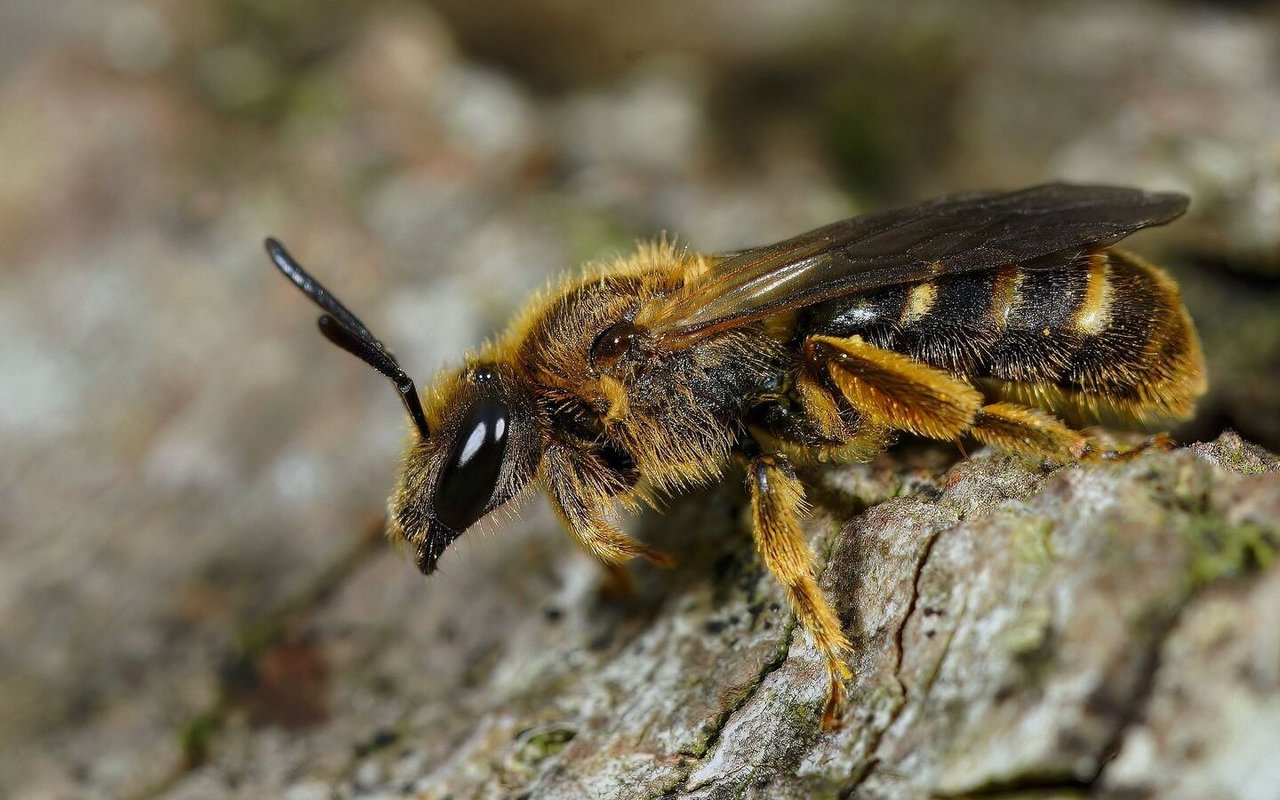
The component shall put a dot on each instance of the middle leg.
(777, 503)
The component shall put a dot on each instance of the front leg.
(580, 488)
(777, 503)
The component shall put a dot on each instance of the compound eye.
(471, 475)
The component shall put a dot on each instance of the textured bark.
(1019, 631)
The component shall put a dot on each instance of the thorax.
(676, 414)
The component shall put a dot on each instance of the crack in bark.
(1133, 711)
(874, 744)
(912, 604)
(1129, 715)
(900, 655)
(722, 721)
(829, 544)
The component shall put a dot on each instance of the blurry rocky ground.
(194, 595)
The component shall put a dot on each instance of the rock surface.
(1019, 631)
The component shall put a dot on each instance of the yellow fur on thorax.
(661, 263)
(660, 266)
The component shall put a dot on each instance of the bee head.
(480, 452)
(483, 450)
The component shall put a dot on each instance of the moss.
(1231, 452)
(195, 738)
(1219, 550)
(1030, 633)
(1215, 547)
(537, 745)
(1033, 542)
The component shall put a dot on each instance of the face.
(474, 449)
(481, 453)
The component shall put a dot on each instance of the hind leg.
(1023, 429)
(891, 390)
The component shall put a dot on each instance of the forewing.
(948, 235)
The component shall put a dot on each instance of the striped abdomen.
(1102, 337)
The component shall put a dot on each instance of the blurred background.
(187, 466)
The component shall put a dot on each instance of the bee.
(1005, 317)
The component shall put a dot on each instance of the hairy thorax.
(673, 415)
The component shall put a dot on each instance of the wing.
(948, 235)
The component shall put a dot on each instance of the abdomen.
(1104, 338)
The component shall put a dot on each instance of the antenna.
(345, 329)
